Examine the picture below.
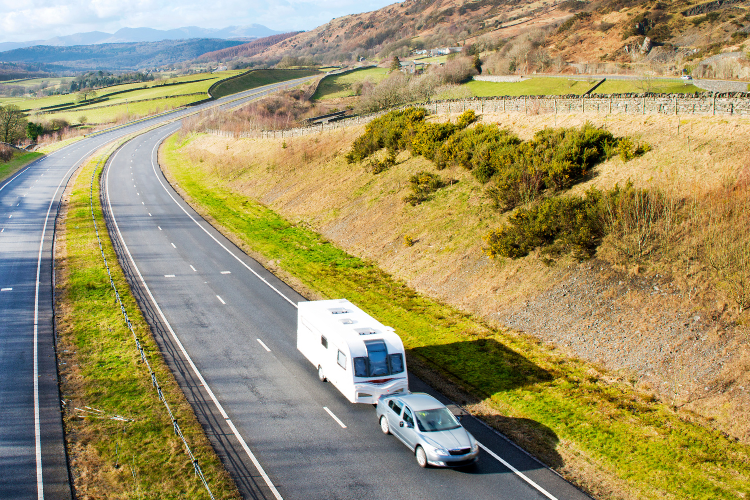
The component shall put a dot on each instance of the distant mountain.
(117, 56)
(133, 35)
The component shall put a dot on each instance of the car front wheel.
(384, 425)
(421, 456)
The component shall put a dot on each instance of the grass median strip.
(121, 441)
(613, 440)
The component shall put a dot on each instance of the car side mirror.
(401, 424)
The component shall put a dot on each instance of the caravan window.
(360, 367)
(324, 341)
(378, 354)
(342, 360)
(396, 363)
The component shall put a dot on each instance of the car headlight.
(440, 451)
(474, 446)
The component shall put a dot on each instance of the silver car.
(428, 428)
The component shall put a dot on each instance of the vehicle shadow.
(472, 371)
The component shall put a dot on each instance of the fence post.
(713, 105)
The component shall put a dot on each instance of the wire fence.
(154, 381)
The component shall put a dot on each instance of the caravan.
(362, 358)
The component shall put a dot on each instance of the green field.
(96, 114)
(545, 398)
(258, 78)
(19, 161)
(564, 86)
(334, 86)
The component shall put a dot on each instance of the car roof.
(418, 401)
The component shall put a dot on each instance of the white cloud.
(44, 19)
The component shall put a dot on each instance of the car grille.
(460, 451)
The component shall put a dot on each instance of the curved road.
(32, 456)
(228, 328)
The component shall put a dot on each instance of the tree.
(34, 130)
(12, 124)
(477, 63)
(86, 94)
(395, 64)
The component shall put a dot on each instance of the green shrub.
(423, 184)
(558, 224)
(392, 130)
(628, 149)
(376, 166)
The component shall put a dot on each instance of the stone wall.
(736, 104)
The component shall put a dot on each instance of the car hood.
(452, 439)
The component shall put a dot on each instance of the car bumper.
(452, 460)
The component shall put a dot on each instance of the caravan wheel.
(321, 375)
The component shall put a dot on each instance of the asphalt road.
(228, 329)
(32, 455)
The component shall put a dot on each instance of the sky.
(43, 19)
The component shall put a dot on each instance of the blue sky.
(21, 21)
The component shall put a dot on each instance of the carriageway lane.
(32, 455)
(237, 324)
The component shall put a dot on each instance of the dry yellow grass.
(307, 180)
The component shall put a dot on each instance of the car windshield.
(439, 419)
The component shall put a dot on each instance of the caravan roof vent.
(365, 331)
(347, 321)
(338, 310)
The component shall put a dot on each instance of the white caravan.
(362, 358)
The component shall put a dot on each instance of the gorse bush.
(391, 131)
(558, 225)
(423, 185)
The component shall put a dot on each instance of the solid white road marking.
(264, 345)
(173, 245)
(226, 272)
(335, 417)
(191, 267)
(221, 300)
(517, 472)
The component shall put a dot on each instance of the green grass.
(563, 86)
(97, 114)
(546, 399)
(334, 86)
(20, 160)
(258, 78)
(101, 368)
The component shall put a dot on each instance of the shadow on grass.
(472, 371)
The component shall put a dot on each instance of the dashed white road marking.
(221, 300)
(194, 270)
(159, 227)
(149, 214)
(173, 245)
(10, 289)
(169, 275)
(226, 272)
(338, 421)
(264, 345)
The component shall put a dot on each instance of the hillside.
(526, 36)
(247, 49)
(660, 322)
(116, 56)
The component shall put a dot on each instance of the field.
(121, 440)
(335, 86)
(101, 114)
(258, 78)
(563, 86)
(614, 439)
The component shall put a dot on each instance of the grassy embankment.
(7, 169)
(103, 378)
(613, 440)
(335, 86)
(258, 78)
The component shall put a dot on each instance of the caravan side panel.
(308, 342)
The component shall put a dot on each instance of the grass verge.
(19, 161)
(120, 438)
(563, 86)
(258, 78)
(564, 410)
